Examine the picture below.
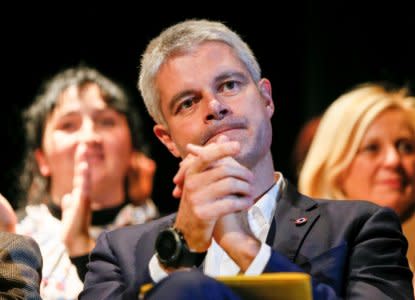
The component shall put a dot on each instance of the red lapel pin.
(301, 221)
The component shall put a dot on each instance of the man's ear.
(266, 92)
(42, 163)
(164, 136)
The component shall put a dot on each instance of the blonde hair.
(340, 133)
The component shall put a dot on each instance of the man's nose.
(217, 110)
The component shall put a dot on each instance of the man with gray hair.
(237, 215)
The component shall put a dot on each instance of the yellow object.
(268, 286)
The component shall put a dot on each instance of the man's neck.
(264, 175)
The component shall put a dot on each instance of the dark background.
(311, 51)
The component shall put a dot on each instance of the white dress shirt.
(217, 262)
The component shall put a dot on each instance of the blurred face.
(209, 92)
(383, 170)
(82, 117)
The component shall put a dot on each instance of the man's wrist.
(172, 250)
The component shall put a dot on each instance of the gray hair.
(184, 37)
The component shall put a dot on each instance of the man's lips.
(217, 129)
(225, 132)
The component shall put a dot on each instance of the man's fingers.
(215, 151)
(202, 156)
(183, 166)
(227, 205)
(178, 179)
(208, 155)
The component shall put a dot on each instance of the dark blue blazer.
(353, 249)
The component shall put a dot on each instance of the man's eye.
(184, 105)
(229, 86)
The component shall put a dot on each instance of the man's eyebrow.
(226, 75)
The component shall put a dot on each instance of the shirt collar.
(262, 212)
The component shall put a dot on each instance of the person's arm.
(118, 264)
(76, 208)
(376, 266)
(20, 267)
(8, 218)
(76, 215)
(104, 264)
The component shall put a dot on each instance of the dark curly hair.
(34, 187)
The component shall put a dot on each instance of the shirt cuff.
(260, 261)
(157, 273)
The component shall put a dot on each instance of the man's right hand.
(211, 184)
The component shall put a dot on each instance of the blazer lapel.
(295, 215)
